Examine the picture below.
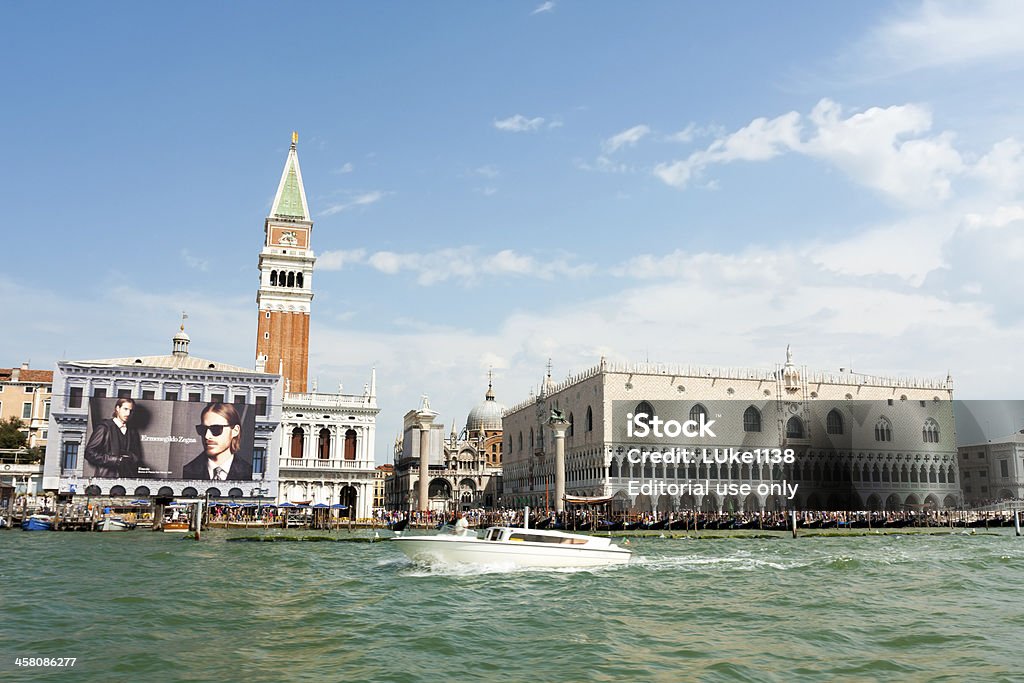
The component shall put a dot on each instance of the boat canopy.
(588, 500)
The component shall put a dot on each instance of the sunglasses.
(213, 429)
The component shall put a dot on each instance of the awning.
(588, 500)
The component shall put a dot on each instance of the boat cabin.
(508, 534)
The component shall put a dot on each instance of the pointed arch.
(883, 429)
(930, 431)
(795, 428)
(752, 420)
(834, 422)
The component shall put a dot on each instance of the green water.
(150, 606)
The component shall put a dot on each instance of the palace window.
(930, 431)
(752, 420)
(794, 428)
(883, 430)
(834, 422)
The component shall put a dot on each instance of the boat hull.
(36, 524)
(111, 524)
(454, 550)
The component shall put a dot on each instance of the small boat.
(115, 524)
(515, 546)
(179, 526)
(38, 523)
(400, 525)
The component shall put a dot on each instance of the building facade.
(170, 394)
(992, 471)
(326, 453)
(857, 442)
(380, 476)
(465, 468)
(25, 394)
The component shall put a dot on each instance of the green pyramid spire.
(290, 202)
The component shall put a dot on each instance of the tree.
(11, 435)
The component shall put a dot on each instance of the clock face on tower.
(289, 237)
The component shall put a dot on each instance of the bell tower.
(286, 280)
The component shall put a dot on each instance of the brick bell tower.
(286, 281)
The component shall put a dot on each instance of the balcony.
(321, 465)
(317, 400)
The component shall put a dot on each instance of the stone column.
(559, 425)
(424, 419)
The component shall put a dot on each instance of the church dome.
(485, 416)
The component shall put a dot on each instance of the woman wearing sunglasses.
(220, 432)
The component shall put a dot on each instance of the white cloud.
(628, 137)
(338, 259)
(1001, 170)
(519, 124)
(603, 164)
(890, 150)
(364, 199)
(347, 167)
(544, 7)
(884, 149)
(944, 34)
(487, 171)
(194, 261)
(685, 135)
(760, 140)
(466, 265)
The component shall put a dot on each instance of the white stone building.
(159, 385)
(327, 450)
(861, 442)
(465, 468)
(992, 471)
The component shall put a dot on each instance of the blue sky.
(495, 184)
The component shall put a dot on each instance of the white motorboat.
(514, 546)
(115, 524)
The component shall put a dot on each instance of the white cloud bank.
(891, 150)
(945, 34)
(519, 124)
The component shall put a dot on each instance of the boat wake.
(465, 569)
(703, 564)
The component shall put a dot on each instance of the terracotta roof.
(33, 376)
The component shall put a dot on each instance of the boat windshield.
(543, 538)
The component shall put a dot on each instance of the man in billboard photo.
(114, 448)
(220, 430)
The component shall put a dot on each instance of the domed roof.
(485, 416)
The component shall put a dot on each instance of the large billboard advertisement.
(150, 439)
